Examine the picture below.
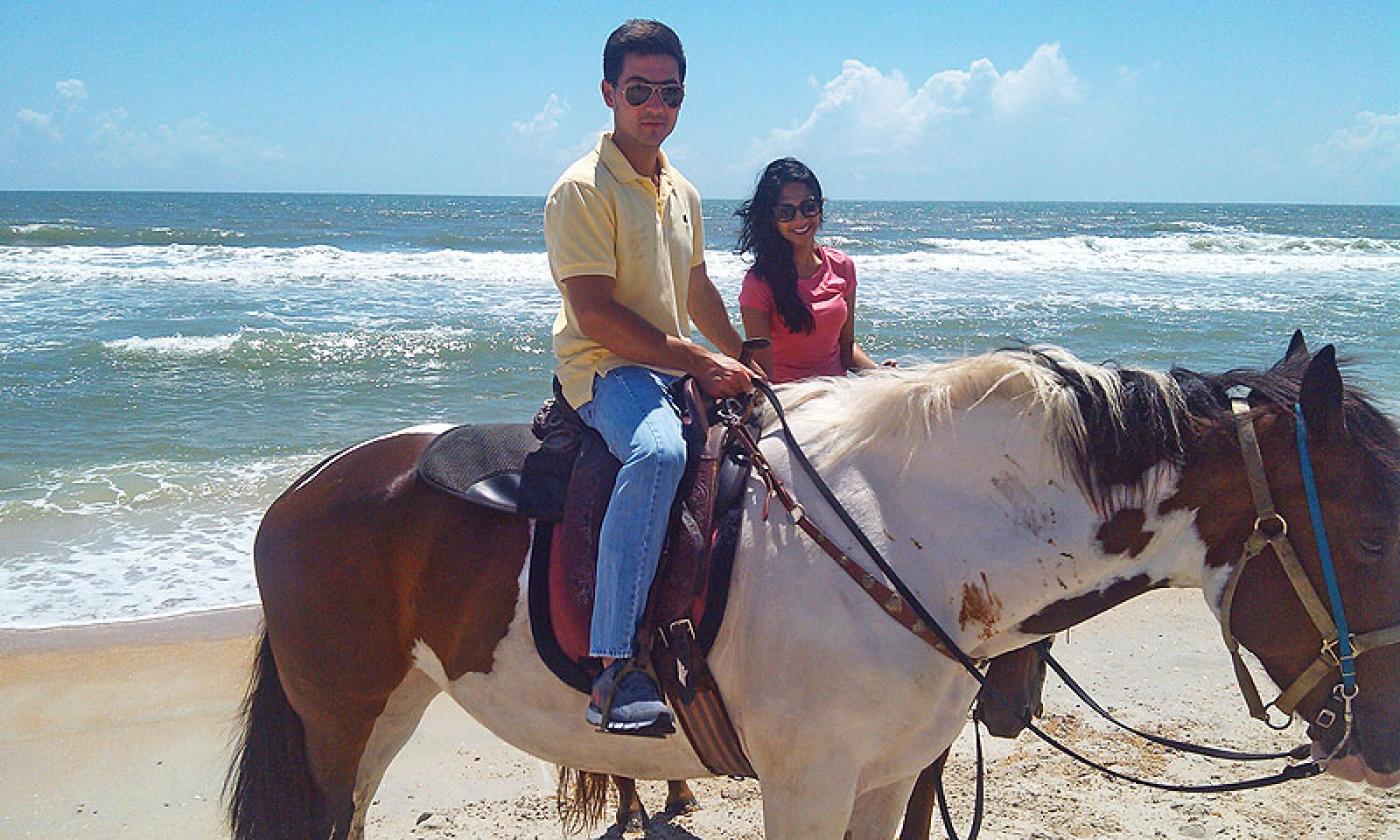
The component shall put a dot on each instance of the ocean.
(170, 362)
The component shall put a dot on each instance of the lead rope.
(1298, 753)
(978, 799)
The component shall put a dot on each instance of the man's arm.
(708, 312)
(630, 336)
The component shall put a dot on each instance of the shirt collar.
(620, 167)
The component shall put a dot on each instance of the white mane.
(909, 404)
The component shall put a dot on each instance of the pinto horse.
(1015, 493)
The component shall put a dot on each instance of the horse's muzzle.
(1352, 767)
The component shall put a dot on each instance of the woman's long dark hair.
(772, 254)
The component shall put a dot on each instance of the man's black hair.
(640, 37)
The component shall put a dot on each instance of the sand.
(124, 731)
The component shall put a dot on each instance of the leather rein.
(1270, 531)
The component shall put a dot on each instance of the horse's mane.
(1110, 425)
(1368, 427)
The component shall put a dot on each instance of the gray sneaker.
(636, 704)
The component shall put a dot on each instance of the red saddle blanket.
(692, 581)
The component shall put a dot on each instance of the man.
(626, 249)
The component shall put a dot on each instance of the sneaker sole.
(659, 728)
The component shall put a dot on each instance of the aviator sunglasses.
(637, 94)
(810, 208)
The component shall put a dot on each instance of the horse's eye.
(1372, 547)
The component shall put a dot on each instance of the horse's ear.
(1297, 349)
(1321, 393)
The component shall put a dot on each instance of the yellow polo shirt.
(603, 218)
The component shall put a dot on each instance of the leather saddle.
(559, 472)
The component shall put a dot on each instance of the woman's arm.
(758, 323)
(852, 357)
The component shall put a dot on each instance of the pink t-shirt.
(800, 355)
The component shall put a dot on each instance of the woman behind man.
(800, 295)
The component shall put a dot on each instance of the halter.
(1339, 646)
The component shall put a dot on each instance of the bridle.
(1339, 646)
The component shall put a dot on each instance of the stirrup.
(663, 725)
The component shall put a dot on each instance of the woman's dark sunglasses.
(810, 207)
(638, 94)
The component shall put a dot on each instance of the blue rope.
(1329, 572)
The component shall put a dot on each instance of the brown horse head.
(1355, 455)
(1011, 695)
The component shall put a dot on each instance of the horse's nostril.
(1384, 765)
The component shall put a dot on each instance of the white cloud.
(864, 112)
(1361, 151)
(72, 90)
(1046, 78)
(191, 142)
(544, 124)
(1369, 133)
(42, 123)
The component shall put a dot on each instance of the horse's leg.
(392, 730)
(629, 805)
(282, 783)
(877, 812)
(918, 814)
(679, 798)
(335, 740)
(811, 807)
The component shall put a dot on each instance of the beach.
(123, 731)
(175, 360)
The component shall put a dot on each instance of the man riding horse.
(626, 248)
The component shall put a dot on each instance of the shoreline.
(210, 624)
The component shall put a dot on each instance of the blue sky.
(1291, 102)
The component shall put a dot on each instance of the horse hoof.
(688, 805)
(631, 822)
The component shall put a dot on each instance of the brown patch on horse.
(1064, 614)
(981, 606)
(366, 559)
(1123, 533)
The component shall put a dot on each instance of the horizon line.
(541, 197)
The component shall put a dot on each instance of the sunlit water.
(169, 363)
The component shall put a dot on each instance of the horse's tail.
(581, 798)
(269, 790)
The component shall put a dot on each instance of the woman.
(799, 294)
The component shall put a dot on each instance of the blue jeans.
(634, 413)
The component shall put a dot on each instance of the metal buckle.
(1325, 719)
(684, 625)
(1330, 648)
(1269, 720)
(1275, 518)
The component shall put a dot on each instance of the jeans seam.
(634, 593)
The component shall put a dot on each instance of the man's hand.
(720, 376)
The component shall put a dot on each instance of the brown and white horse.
(1017, 493)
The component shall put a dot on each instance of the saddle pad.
(500, 466)
(560, 623)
